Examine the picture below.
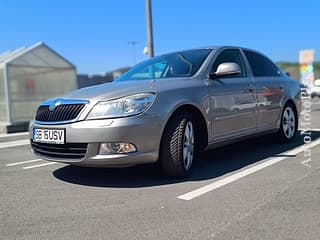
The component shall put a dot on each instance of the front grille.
(68, 150)
(61, 113)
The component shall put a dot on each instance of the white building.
(28, 76)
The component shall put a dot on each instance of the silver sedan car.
(169, 109)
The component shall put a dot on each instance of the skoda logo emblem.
(53, 105)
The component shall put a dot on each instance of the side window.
(231, 55)
(261, 66)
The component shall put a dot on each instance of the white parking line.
(14, 143)
(24, 162)
(234, 177)
(40, 165)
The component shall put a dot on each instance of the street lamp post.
(149, 29)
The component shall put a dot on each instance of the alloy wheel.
(289, 123)
(188, 145)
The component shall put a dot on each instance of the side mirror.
(226, 69)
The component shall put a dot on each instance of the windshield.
(180, 64)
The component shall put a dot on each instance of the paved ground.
(256, 189)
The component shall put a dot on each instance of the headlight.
(122, 107)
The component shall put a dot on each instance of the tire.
(178, 146)
(288, 124)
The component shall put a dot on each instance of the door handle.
(250, 88)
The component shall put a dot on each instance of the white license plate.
(55, 136)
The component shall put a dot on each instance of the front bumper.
(144, 131)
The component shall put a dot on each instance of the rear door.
(232, 99)
(269, 89)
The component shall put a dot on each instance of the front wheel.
(289, 123)
(178, 146)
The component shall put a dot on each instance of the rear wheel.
(289, 123)
(178, 146)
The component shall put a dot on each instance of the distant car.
(315, 90)
(168, 109)
(306, 90)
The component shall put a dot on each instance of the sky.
(94, 34)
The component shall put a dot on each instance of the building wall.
(3, 102)
(86, 80)
(31, 85)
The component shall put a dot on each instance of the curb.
(14, 136)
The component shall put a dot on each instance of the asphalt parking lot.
(256, 189)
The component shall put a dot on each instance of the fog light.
(111, 148)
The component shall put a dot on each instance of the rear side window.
(261, 66)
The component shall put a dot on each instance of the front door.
(233, 99)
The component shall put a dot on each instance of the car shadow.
(212, 164)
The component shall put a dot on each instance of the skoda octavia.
(168, 109)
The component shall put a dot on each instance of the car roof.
(211, 48)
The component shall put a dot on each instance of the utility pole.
(133, 44)
(149, 29)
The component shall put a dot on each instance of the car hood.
(112, 90)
